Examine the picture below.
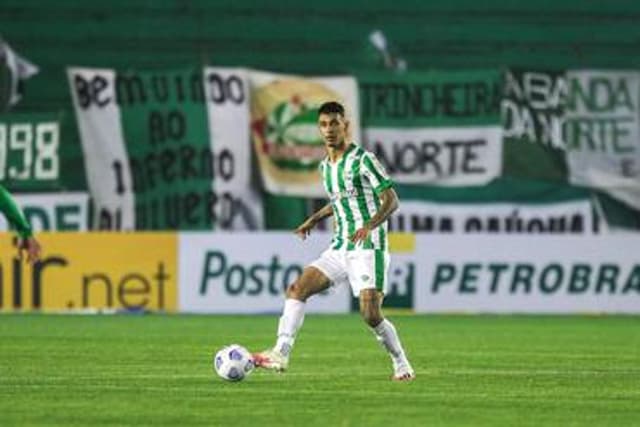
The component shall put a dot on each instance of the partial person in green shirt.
(16, 218)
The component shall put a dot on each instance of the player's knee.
(371, 317)
(295, 291)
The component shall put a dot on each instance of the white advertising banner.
(249, 272)
(528, 274)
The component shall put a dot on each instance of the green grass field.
(472, 370)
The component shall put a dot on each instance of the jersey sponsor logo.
(347, 193)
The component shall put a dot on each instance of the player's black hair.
(330, 108)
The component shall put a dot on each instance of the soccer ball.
(233, 362)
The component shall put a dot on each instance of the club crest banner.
(284, 129)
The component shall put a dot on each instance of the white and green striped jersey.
(354, 184)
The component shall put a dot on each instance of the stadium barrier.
(248, 273)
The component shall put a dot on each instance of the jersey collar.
(350, 148)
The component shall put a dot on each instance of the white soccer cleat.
(271, 359)
(403, 372)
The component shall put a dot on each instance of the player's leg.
(385, 332)
(367, 271)
(311, 282)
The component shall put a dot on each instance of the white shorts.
(361, 268)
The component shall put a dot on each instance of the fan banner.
(166, 149)
(435, 128)
(576, 126)
(570, 217)
(602, 132)
(533, 114)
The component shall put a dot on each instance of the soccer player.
(16, 218)
(361, 200)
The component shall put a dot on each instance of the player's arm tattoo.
(389, 206)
